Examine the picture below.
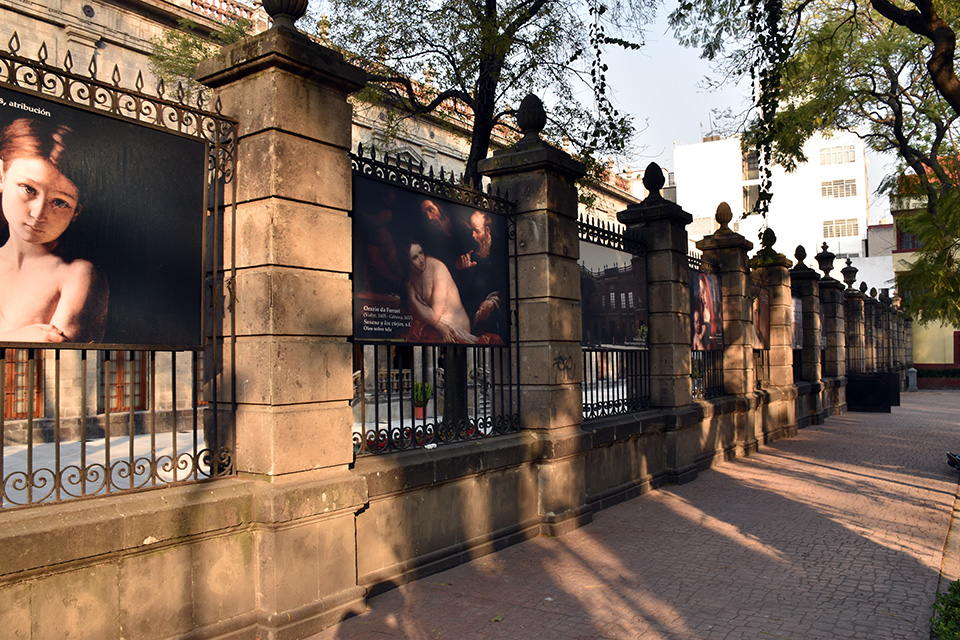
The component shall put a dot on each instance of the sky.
(662, 87)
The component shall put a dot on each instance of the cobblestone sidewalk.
(837, 533)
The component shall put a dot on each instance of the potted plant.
(422, 392)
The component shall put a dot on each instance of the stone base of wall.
(243, 558)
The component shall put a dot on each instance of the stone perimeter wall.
(305, 533)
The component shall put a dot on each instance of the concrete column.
(542, 180)
(662, 226)
(292, 293)
(727, 251)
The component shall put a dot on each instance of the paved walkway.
(837, 533)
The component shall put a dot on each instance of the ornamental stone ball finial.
(800, 254)
(873, 292)
(531, 116)
(653, 179)
(768, 239)
(863, 286)
(285, 12)
(849, 274)
(723, 217)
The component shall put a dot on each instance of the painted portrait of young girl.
(46, 295)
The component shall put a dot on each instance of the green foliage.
(931, 287)
(178, 51)
(486, 56)
(946, 613)
(422, 392)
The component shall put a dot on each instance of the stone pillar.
(727, 251)
(542, 180)
(292, 293)
(291, 306)
(831, 302)
(901, 342)
(773, 271)
(806, 287)
(662, 226)
(871, 309)
(854, 334)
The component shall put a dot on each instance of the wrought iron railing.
(615, 354)
(403, 398)
(706, 373)
(615, 381)
(71, 443)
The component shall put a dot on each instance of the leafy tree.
(481, 57)
(177, 52)
(867, 66)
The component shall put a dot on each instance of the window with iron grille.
(17, 386)
(838, 155)
(838, 188)
(123, 381)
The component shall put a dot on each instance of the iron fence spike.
(14, 44)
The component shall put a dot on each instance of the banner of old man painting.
(427, 270)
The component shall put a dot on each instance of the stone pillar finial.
(825, 259)
(849, 274)
(863, 287)
(800, 254)
(873, 292)
(653, 179)
(723, 217)
(285, 12)
(531, 116)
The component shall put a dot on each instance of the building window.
(123, 378)
(613, 300)
(751, 195)
(751, 166)
(17, 385)
(907, 241)
(838, 155)
(848, 228)
(838, 188)
(630, 299)
(623, 300)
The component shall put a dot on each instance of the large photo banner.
(706, 312)
(613, 292)
(427, 270)
(101, 228)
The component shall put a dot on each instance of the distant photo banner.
(761, 317)
(706, 312)
(613, 297)
(427, 270)
(101, 230)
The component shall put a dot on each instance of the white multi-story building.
(825, 200)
